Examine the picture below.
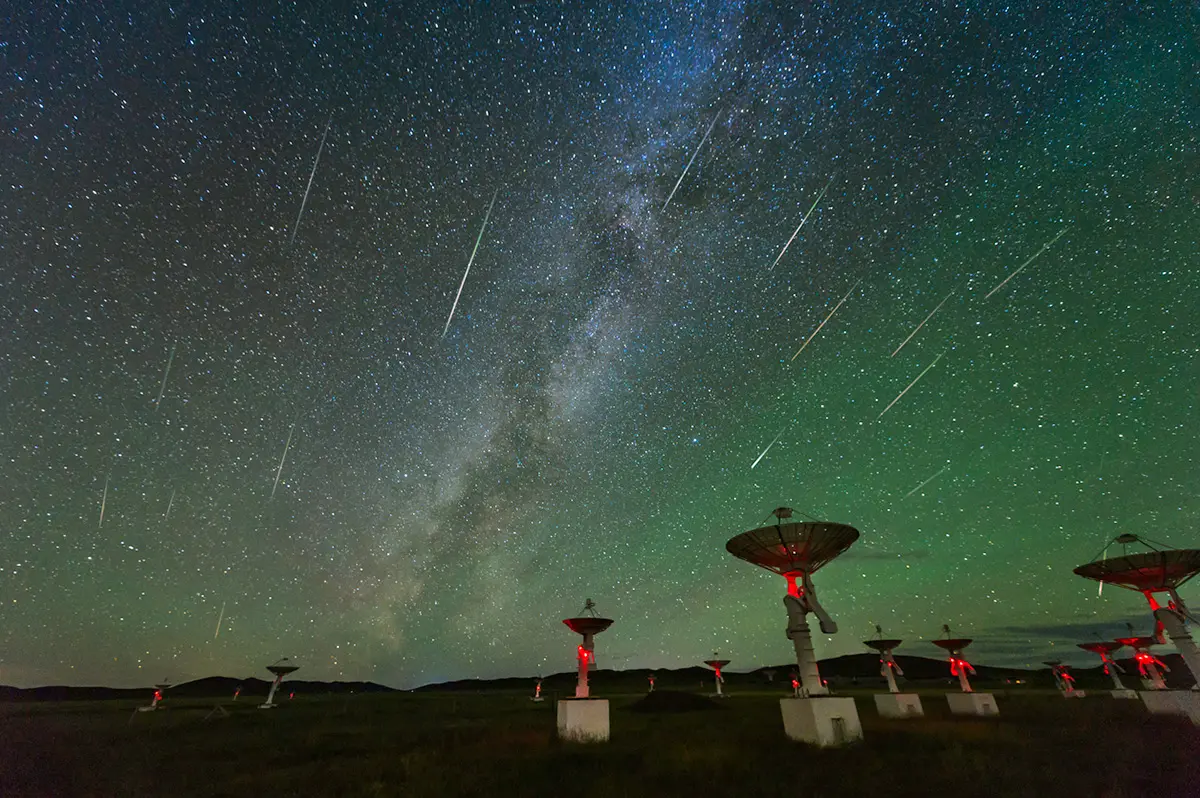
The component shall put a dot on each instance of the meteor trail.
(911, 384)
(220, 618)
(926, 482)
(308, 188)
(166, 373)
(1032, 258)
(696, 152)
(796, 232)
(103, 501)
(822, 324)
(170, 503)
(470, 260)
(922, 324)
(283, 459)
(769, 445)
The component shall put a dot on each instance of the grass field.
(433, 744)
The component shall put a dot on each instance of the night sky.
(589, 425)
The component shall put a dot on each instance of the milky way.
(588, 424)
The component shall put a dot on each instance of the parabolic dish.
(1151, 570)
(954, 643)
(1101, 646)
(791, 548)
(588, 625)
(282, 670)
(882, 645)
(717, 663)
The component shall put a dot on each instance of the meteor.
(103, 501)
(308, 188)
(1032, 258)
(822, 324)
(796, 232)
(926, 482)
(470, 260)
(283, 459)
(220, 618)
(769, 445)
(911, 384)
(693, 158)
(166, 373)
(922, 324)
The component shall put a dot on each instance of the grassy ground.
(504, 744)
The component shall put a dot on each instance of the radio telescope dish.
(893, 703)
(588, 624)
(1159, 569)
(717, 665)
(959, 667)
(279, 668)
(585, 719)
(796, 551)
(793, 548)
(1105, 648)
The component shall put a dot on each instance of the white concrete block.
(898, 705)
(824, 720)
(1173, 702)
(1124, 693)
(981, 704)
(583, 720)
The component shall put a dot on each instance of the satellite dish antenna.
(967, 702)
(1150, 667)
(159, 689)
(537, 690)
(651, 677)
(716, 664)
(892, 704)
(583, 718)
(1105, 648)
(1157, 570)
(1063, 679)
(279, 668)
(796, 551)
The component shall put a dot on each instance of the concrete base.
(537, 699)
(1076, 694)
(1173, 702)
(898, 705)
(981, 704)
(147, 709)
(824, 721)
(1123, 693)
(583, 720)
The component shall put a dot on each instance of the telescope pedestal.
(899, 705)
(824, 721)
(979, 704)
(583, 720)
(1173, 702)
(1124, 693)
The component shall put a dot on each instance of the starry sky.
(234, 431)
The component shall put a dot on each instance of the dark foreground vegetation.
(432, 744)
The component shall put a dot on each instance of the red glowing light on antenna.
(158, 695)
(957, 665)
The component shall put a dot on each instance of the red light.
(158, 695)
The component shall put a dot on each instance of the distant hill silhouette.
(851, 670)
(209, 687)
